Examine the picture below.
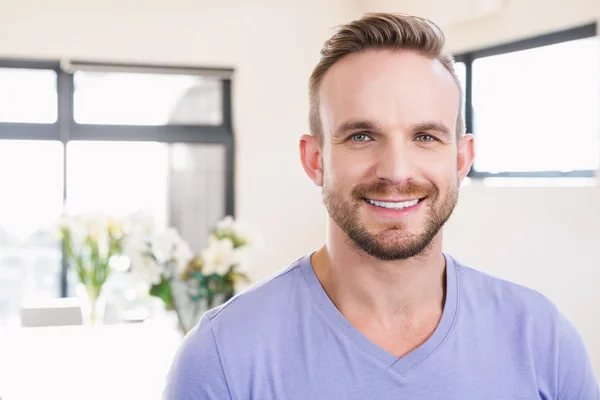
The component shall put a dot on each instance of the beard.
(394, 242)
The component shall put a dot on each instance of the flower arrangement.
(223, 262)
(158, 258)
(90, 243)
(187, 283)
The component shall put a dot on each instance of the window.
(28, 95)
(196, 189)
(179, 184)
(102, 177)
(535, 105)
(461, 72)
(31, 202)
(146, 99)
(151, 138)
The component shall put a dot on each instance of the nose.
(395, 164)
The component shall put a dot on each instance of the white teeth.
(394, 205)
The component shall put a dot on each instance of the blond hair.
(380, 31)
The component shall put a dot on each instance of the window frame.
(566, 35)
(65, 129)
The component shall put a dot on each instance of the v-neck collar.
(409, 361)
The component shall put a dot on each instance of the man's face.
(391, 164)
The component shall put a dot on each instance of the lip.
(392, 213)
(395, 200)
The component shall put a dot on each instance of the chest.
(341, 383)
(402, 341)
(339, 370)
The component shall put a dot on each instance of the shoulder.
(196, 371)
(542, 330)
(199, 369)
(519, 317)
(259, 311)
(485, 292)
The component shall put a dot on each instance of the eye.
(360, 137)
(425, 138)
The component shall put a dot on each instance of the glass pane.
(146, 99)
(538, 109)
(28, 95)
(117, 178)
(30, 205)
(197, 190)
(461, 72)
(179, 184)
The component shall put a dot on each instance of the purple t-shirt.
(284, 339)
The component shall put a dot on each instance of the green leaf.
(199, 276)
(162, 290)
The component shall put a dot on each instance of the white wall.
(272, 44)
(546, 238)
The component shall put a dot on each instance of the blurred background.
(187, 112)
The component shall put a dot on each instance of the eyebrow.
(431, 126)
(355, 125)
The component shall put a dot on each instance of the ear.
(310, 156)
(466, 155)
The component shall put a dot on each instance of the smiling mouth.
(394, 205)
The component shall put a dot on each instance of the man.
(380, 312)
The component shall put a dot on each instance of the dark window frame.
(65, 129)
(579, 32)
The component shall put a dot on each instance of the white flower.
(134, 246)
(145, 266)
(182, 254)
(119, 263)
(218, 256)
(97, 226)
(139, 223)
(163, 244)
(226, 224)
(156, 255)
(147, 269)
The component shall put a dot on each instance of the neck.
(389, 292)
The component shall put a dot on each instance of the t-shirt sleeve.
(576, 380)
(196, 372)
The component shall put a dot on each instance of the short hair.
(385, 31)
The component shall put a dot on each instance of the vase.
(92, 303)
(189, 312)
